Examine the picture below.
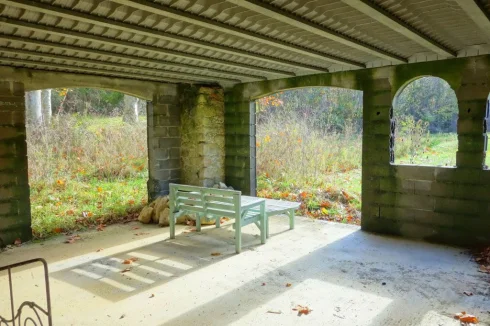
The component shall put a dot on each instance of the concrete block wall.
(164, 140)
(240, 144)
(203, 136)
(440, 204)
(15, 217)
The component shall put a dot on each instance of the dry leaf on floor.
(129, 261)
(135, 227)
(302, 310)
(142, 233)
(263, 284)
(190, 230)
(484, 269)
(72, 239)
(98, 250)
(468, 293)
(288, 285)
(277, 312)
(100, 227)
(17, 242)
(215, 254)
(224, 219)
(125, 270)
(463, 317)
(152, 296)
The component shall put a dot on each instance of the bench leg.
(218, 222)
(264, 233)
(198, 222)
(267, 226)
(291, 219)
(238, 238)
(171, 220)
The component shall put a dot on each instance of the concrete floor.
(347, 277)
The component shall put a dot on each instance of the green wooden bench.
(217, 203)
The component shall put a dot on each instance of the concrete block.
(470, 126)
(457, 206)
(425, 173)
(169, 164)
(470, 159)
(458, 175)
(168, 142)
(415, 201)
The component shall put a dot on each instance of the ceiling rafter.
(391, 21)
(476, 13)
(136, 46)
(194, 19)
(138, 59)
(149, 71)
(294, 20)
(95, 71)
(133, 28)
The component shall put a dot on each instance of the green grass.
(86, 172)
(441, 151)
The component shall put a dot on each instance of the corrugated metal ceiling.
(233, 41)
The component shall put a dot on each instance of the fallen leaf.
(100, 227)
(190, 222)
(263, 284)
(98, 250)
(57, 230)
(302, 310)
(224, 219)
(72, 239)
(152, 296)
(468, 293)
(135, 227)
(17, 242)
(131, 202)
(127, 261)
(70, 212)
(277, 312)
(484, 269)
(190, 230)
(463, 317)
(125, 270)
(288, 285)
(215, 254)
(141, 233)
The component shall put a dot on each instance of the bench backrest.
(206, 201)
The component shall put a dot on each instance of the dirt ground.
(345, 276)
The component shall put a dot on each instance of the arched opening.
(425, 113)
(87, 158)
(309, 149)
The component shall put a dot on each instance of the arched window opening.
(309, 149)
(87, 158)
(425, 115)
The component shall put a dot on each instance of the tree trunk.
(34, 107)
(130, 111)
(46, 105)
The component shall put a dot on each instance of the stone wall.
(442, 204)
(203, 136)
(15, 219)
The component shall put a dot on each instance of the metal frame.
(17, 317)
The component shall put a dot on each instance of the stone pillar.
(164, 159)
(15, 209)
(203, 136)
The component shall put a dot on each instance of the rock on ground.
(145, 215)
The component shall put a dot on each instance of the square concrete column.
(164, 158)
(15, 212)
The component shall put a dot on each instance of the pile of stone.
(158, 212)
(221, 185)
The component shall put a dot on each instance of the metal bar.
(136, 46)
(30, 304)
(121, 56)
(11, 296)
(136, 29)
(188, 17)
(289, 18)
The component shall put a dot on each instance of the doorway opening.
(87, 156)
(309, 149)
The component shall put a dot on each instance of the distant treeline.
(428, 99)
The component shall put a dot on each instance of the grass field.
(86, 172)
